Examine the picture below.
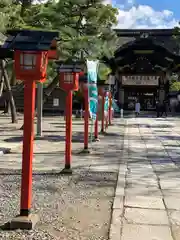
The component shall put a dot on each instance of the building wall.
(48, 105)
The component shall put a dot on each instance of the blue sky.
(147, 13)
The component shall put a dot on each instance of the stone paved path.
(147, 199)
(145, 152)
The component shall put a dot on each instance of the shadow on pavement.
(77, 137)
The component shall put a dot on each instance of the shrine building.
(142, 66)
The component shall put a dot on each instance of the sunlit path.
(148, 191)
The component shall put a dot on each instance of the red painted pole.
(86, 119)
(107, 121)
(68, 147)
(27, 155)
(96, 129)
(102, 121)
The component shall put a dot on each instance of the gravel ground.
(76, 207)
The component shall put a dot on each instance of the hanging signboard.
(55, 102)
(140, 80)
(92, 67)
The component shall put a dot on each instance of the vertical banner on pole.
(115, 106)
(92, 68)
(106, 104)
(106, 108)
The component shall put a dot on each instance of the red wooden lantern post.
(111, 82)
(96, 132)
(86, 118)
(31, 58)
(84, 88)
(69, 82)
(101, 93)
(102, 89)
(30, 66)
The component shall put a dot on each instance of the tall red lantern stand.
(111, 82)
(30, 66)
(102, 89)
(84, 88)
(102, 94)
(96, 131)
(69, 82)
(86, 118)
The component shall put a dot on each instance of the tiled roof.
(162, 37)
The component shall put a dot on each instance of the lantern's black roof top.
(31, 40)
(102, 83)
(5, 53)
(83, 78)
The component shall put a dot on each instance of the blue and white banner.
(115, 106)
(106, 104)
(92, 70)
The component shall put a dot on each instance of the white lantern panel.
(68, 78)
(27, 61)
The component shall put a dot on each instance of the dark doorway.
(146, 96)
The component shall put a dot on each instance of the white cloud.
(107, 2)
(144, 16)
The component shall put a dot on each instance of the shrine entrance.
(142, 66)
(143, 88)
(146, 97)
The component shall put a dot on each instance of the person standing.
(137, 107)
(164, 108)
(158, 106)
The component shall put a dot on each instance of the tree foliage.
(84, 26)
(174, 83)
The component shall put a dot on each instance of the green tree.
(85, 28)
(174, 83)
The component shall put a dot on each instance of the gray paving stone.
(144, 202)
(176, 232)
(174, 217)
(145, 232)
(145, 216)
(172, 202)
(141, 181)
(169, 184)
(140, 191)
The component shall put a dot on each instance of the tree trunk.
(10, 95)
(1, 82)
(47, 92)
(13, 78)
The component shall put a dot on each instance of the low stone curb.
(118, 204)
